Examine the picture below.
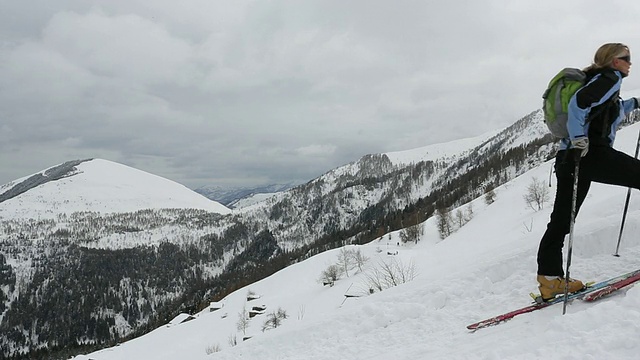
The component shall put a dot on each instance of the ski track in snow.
(486, 268)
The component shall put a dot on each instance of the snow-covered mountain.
(237, 197)
(153, 263)
(484, 268)
(252, 199)
(442, 151)
(381, 191)
(96, 185)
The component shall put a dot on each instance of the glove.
(582, 144)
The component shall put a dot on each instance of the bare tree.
(360, 259)
(389, 274)
(469, 212)
(349, 259)
(345, 260)
(274, 319)
(411, 233)
(213, 349)
(233, 340)
(243, 321)
(460, 218)
(330, 275)
(537, 194)
(489, 195)
(444, 222)
(463, 216)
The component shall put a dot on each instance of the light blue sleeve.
(577, 118)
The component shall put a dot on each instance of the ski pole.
(574, 200)
(626, 205)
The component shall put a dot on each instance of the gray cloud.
(253, 92)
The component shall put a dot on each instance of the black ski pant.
(602, 164)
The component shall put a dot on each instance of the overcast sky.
(244, 92)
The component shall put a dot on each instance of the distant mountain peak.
(241, 196)
(96, 185)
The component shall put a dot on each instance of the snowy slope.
(251, 200)
(103, 186)
(442, 151)
(231, 196)
(487, 267)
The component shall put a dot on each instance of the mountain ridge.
(54, 173)
(96, 185)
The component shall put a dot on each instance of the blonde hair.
(605, 55)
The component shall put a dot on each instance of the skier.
(595, 112)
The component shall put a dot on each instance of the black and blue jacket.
(596, 110)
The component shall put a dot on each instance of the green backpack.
(556, 99)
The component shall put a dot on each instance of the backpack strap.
(604, 109)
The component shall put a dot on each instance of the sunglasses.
(626, 58)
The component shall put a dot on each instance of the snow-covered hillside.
(485, 268)
(232, 196)
(445, 151)
(101, 186)
(251, 200)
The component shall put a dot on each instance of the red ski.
(600, 289)
(595, 295)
